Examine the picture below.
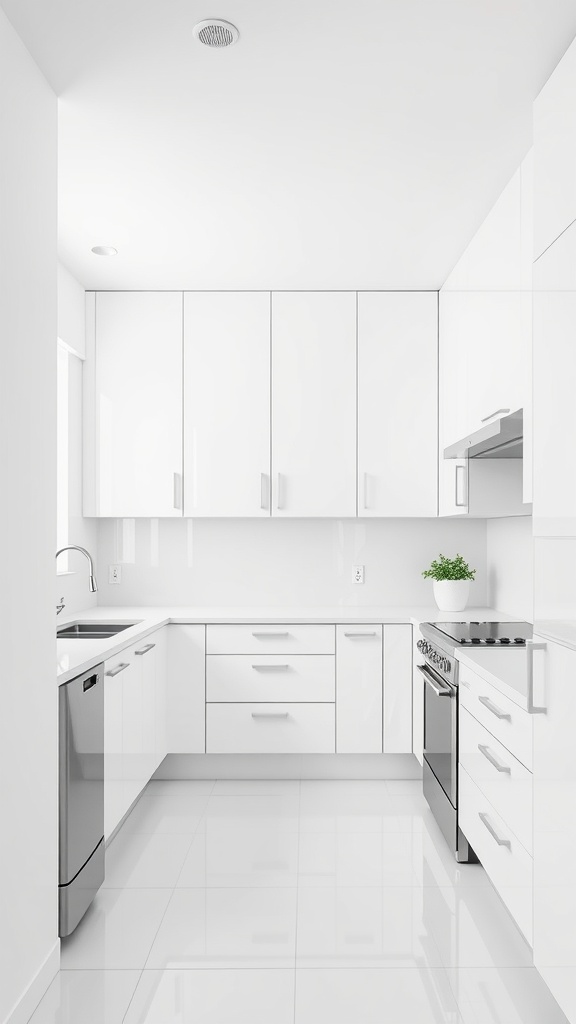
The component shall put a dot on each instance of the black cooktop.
(513, 634)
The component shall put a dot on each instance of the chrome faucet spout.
(92, 585)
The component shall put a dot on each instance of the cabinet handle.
(270, 668)
(119, 668)
(532, 646)
(499, 765)
(144, 650)
(265, 635)
(494, 708)
(498, 412)
(460, 504)
(365, 490)
(264, 492)
(360, 634)
(488, 824)
(279, 491)
(269, 714)
(177, 483)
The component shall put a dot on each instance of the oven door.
(441, 730)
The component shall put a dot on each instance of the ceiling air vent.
(216, 33)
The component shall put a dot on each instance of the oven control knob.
(420, 645)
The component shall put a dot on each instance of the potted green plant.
(451, 578)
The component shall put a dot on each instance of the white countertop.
(76, 656)
(562, 631)
(505, 668)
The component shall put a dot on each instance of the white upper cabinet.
(314, 404)
(133, 409)
(555, 154)
(397, 403)
(227, 404)
(554, 484)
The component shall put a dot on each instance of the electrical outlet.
(358, 573)
(114, 574)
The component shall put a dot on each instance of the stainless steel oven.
(440, 762)
(439, 671)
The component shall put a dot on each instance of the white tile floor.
(292, 903)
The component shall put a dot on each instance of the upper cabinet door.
(133, 377)
(397, 403)
(227, 404)
(314, 404)
(554, 430)
(555, 154)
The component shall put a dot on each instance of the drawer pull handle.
(499, 765)
(269, 714)
(119, 668)
(488, 824)
(144, 650)
(271, 668)
(360, 634)
(494, 709)
(265, 636)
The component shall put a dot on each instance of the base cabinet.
(186, 698)
(270, 728)
(135, 684)
(359, 689)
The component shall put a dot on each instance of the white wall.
(511, 566)
(29, 721)
(306, 562)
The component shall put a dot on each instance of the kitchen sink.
(91, 630)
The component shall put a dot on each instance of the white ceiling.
(351, 144)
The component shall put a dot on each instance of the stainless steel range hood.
(500, 439)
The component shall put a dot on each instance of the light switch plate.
(358, 573)
(114, 574)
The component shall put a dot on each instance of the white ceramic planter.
(451, 595)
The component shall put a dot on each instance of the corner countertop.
(504, 668)
(77, 656)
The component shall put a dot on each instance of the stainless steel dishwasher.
(81, 795)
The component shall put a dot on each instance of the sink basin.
(91, 630)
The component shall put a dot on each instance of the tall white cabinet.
(133, 404)
(227, 404)
(397, 403)
(314, 404)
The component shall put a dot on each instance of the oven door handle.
(440, 691)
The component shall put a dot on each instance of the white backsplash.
(511, 566)
(306, 562)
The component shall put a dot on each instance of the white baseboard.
(289, 766)
(36, 989)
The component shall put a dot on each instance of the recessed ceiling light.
(216, 33)
(104, 250)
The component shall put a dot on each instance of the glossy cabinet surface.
(397, 403)
(186, 698)
(555, 154)
(397, 710)
(227, 404)
(359, 689)
(270, 677)
(554, 803)
(314, 404)
(554, 432)
(133, 405)
(263, 728)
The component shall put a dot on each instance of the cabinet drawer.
(500, 777)
(270, 639)
(505, 720)
(270, 729)
(505, 860)
(272, 677)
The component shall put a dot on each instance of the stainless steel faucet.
(92, 585)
